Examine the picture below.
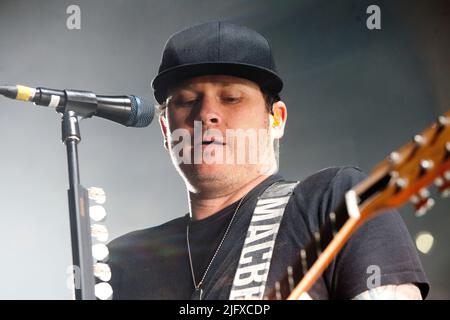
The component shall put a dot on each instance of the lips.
(212, 140)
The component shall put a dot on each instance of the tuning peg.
(103, 291)
(422, 202)
(97, 194)
(394, 157)
(419, 140)
(425, 166)
(424, 193)
(445, 193)
(425, 207)
(438, 182)
(430, 203)
(443, 121)
(447, 150)
(99, 232)
(97, 213)
(401, 183)
(443, 184)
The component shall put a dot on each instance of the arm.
(383, 241)
(391, 292)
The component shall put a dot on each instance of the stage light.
(424, 242)
(97, 213)
(102, 271)
(99, 232)
(97, 194)
(103, 291)
(100, 251)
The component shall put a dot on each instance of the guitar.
(402, 176)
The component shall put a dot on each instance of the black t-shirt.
(153, 263)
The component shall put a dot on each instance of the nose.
(209, 113)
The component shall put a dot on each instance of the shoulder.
(327, 177)
(329, 184)
(320, 193)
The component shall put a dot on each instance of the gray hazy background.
(353, 95)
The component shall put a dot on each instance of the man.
(215, 81)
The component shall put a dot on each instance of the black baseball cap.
(217, 48)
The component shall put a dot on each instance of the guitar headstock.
(406, 173)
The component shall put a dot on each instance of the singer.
(247, 224)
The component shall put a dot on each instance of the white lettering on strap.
(254, 263)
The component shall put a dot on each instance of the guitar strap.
(256, 255)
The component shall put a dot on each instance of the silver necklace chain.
(198, 286)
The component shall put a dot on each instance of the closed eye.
(231, 100)
(185, 103)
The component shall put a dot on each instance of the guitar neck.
(324, 246)
(400, 177)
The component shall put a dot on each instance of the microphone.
(128, 110)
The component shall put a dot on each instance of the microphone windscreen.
(142, 112)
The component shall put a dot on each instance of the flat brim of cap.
(265, 78)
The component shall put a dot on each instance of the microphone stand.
(78, 212)
(78, 105)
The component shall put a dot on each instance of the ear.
(164, 127)
(278, 119)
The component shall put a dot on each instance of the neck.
(201, 208)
